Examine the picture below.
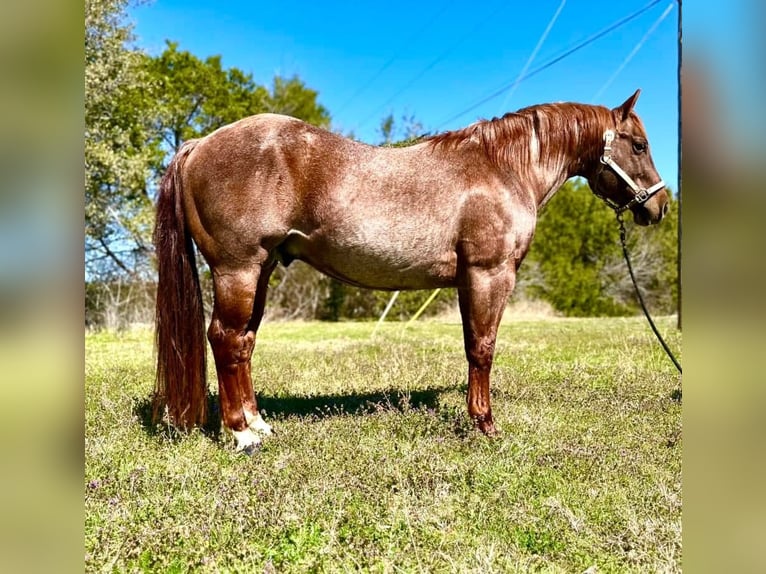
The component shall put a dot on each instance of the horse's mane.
(560, 129)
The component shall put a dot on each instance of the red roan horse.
(455, 210)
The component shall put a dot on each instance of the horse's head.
(625, 176)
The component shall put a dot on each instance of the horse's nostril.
(665, 209)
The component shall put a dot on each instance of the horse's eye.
(639, 147)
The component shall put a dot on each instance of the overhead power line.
(533, 54)
(633, 52)
(433, 63)
(555, 60)
(407, 48)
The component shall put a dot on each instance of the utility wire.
(555, 60)
(635, 50)
(433, 63)
(532, 56)
(407, 48)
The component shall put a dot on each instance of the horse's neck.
(547, 191)
(552, 167)
(549, 174)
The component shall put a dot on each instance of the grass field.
(376, 466)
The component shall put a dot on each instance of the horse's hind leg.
(232, 341)
(249, 403)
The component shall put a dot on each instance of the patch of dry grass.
(375, 466)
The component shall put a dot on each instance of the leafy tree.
(386, 129)
(195, 97)
(401, 133)
(117, 159)
(653, 253)
(291, 97)
(139, 110)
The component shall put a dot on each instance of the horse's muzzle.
(653, 211)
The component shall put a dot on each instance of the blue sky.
(436, 59)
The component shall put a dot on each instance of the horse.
(457, 209)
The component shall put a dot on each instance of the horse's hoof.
(259, 426)
(247, 441)
(487, 427)
(251, 449)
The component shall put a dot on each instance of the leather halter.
(641, 194)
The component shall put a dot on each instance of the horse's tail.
(181, 387)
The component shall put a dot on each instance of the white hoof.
(257, 424)
(247, 441)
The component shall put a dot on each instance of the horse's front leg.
(482, 302)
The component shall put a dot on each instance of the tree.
(195, 97)
(139, 110)
(653, 253)
(576, 263)
(117, 160)
(291, 97)
(401, 134)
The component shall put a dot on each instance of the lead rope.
(640, 297)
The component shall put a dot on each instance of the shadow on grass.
(324, 406)
(143, 411)
(314, 407)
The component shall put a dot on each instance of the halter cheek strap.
(641, 195)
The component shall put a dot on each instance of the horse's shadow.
(317, 407)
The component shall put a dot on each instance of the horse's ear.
(624, 110)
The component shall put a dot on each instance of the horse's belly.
(373, 272)
(386, 262)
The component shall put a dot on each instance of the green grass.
(376, 466)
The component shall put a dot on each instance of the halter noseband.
(641, 195)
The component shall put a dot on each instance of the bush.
(116, 305)
(576, 262)
(348, 302)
